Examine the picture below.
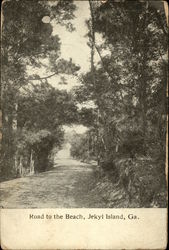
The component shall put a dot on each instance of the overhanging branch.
(43, 78)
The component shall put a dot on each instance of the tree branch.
(94, 42)
(43, 78)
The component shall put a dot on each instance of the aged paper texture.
(84, 113)
(147, 232)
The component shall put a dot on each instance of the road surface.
(68, 185)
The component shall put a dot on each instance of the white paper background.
(147, 232)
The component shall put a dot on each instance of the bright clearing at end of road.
(79, 129)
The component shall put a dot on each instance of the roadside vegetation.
(126, 85)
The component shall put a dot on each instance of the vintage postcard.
(84, 124)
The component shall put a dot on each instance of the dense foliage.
(84, 146)
(128, 89)
(32, 111)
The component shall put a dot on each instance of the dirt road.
(65, 186)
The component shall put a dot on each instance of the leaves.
(128, 93)
(37, 110)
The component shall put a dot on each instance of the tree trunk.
(32, 168)
(20, 167)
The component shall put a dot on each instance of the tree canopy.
(125, 85)
(128, 88)
(32, 111)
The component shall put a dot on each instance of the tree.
(83, 146)
(124, 86)
(28, 41)
(40, 117)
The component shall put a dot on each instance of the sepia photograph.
(83, 104)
